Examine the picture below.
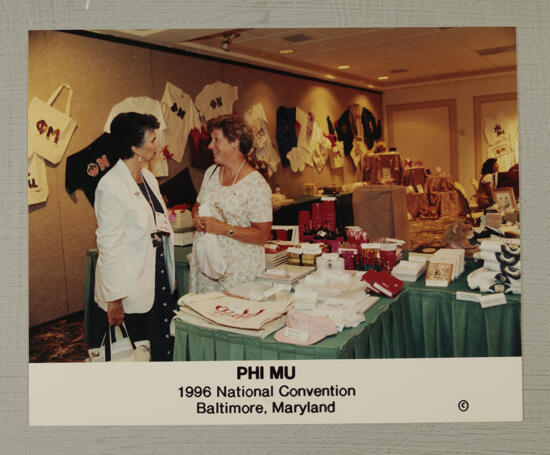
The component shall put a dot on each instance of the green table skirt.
(386, 333)
(446, 327)
(419, 322)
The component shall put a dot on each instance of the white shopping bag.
(207, 249)
(49, 129)
(123, 350)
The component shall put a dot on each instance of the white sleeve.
(110, 213)
(201, 101)
(115, 110)
(157, 112)
(190, 120)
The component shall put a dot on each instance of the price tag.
(487, 301)
(163, 224)
(296, 334)
(468, 296)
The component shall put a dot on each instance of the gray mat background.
(532, 18)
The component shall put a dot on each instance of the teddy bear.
(458, 235)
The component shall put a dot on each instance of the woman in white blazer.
(134, 275)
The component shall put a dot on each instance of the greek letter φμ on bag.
(49, 129)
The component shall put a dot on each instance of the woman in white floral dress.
(241, 200)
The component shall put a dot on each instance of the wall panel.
(415, 141)
(47, 292)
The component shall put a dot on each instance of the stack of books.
(409, 271)
(275, 255)
(422, 254)
(285, 274)
(454, 256)
(382, 283)
(446, 265)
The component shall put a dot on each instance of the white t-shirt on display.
(216, 99)
(181, 117)
(144, 105)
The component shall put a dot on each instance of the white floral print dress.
(247, 201)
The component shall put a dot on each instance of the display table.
(419, 322)
(386, 333)
(381, 210)
(383, 167)
(417, 203)
(443, 197)
(414, 176)
(94, 317)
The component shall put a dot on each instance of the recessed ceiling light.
(370, 86)
(343, 67)
(286, 51)
(329, 76)
(382, 78)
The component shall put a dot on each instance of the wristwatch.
(231, 232)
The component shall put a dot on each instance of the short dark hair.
(233, 128)
(128, 129)
(487, 167)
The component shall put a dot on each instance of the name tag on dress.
(163, 225)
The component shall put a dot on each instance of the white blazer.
(126, 264)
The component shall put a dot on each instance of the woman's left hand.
(213, 226)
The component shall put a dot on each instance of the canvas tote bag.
(49, 129)
(123, 349)
(37, 181)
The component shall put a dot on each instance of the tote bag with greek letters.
(37, 182)
(50, 130)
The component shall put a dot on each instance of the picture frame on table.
(505, 200)
(439, 274)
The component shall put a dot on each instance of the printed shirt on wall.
(181, 117)
(85, 168)
(501, 136)
(145, 105)
(216, 99)
(312, 147)
(265, 151)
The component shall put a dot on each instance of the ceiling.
(406, 56)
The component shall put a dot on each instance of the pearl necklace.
(237, 175)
